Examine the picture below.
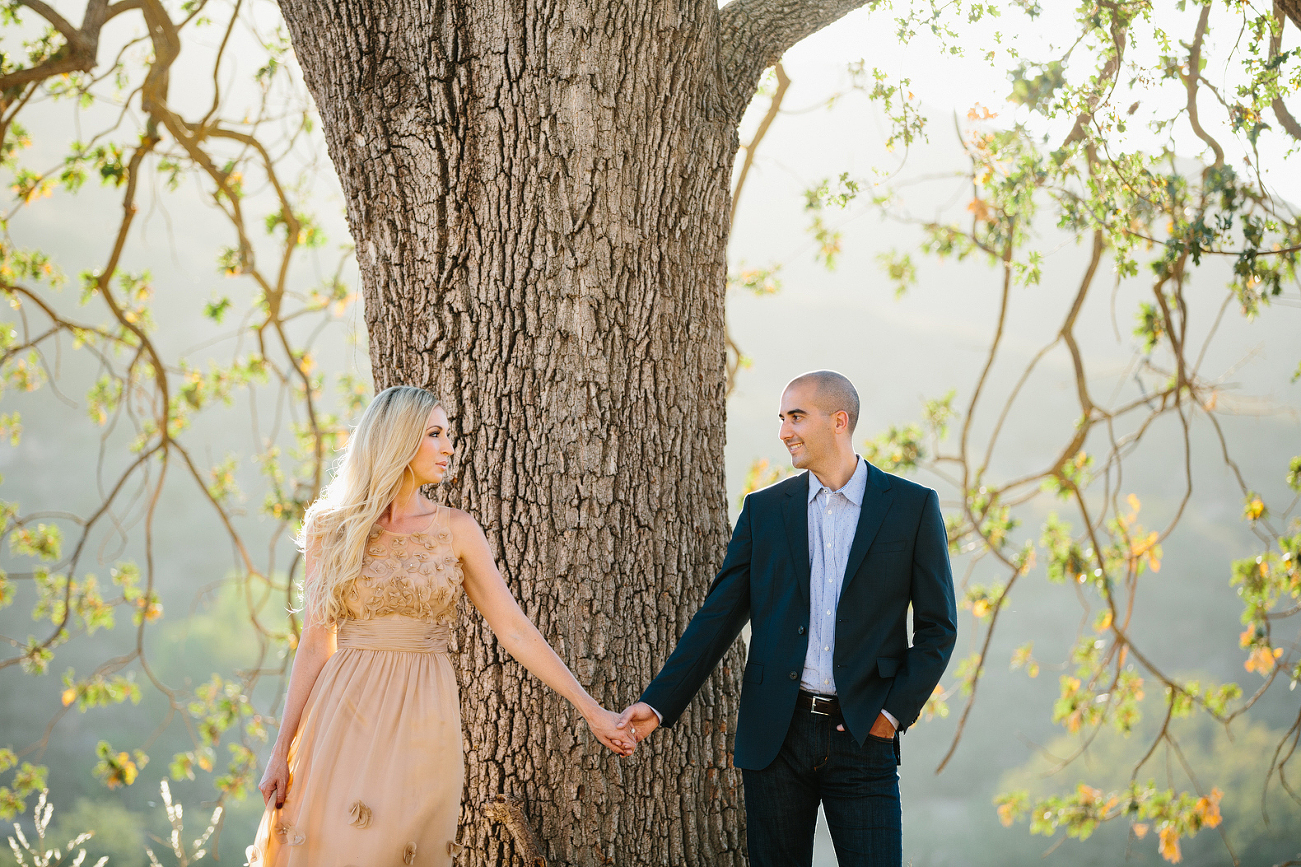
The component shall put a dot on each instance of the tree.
(539, 200)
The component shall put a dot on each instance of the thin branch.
(1190, 84)
(774, 108)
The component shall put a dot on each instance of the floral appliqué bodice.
(411, 574)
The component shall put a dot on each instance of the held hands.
(275, 782)
(605, 725)
(639, 721)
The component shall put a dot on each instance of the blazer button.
(795, 675)
(801, 630)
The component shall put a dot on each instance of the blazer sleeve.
(711, 631)
(935, 619)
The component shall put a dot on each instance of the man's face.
(807, 430)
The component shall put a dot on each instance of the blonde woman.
(367, 768)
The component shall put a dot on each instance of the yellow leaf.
(1169, 845)
(979, 208)
(1255, 508)
(1208, 809)
(1262, 659)
(1140, 830)
(69, 696)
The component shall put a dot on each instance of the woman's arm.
(489, 593)
(315, 646)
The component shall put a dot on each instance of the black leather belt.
(823, 705)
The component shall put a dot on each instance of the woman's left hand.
(605, 725)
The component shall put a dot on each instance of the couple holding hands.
(368, 766)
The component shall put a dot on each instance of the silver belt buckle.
(813, 706)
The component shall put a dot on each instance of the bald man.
(824, 566)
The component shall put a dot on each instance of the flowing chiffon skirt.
(376, 768)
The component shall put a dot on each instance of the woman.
(367, 768)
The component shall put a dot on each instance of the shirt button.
(826, 648)
(794, 675)
(828, 680)
(828, 613)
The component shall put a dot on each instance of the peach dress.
(376, 767)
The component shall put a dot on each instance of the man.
(824, 566)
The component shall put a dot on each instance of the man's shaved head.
(832, 393)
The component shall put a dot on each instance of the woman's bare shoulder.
(461, 522)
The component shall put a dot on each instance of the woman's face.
(430, 463)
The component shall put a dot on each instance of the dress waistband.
(395, 632)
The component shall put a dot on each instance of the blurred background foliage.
(183, 354)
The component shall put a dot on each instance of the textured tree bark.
(539, 197)
(1292, 9)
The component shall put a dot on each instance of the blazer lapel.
(877, 498)
(795, 513)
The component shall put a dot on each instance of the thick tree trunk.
(539, 203)
(539, 197)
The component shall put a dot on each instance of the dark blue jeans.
(858, 788)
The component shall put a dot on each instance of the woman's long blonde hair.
(375, 463)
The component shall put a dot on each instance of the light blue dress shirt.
(833, 520)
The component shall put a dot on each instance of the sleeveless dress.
(376, 767)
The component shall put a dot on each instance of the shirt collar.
(853, 489)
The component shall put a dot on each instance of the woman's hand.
(605, 725)
(275, 782)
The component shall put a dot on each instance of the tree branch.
(510, 812)
(1285, 118)
(82, 46)
(57, 21)
(1190, 84)
(774, 108)
(754, 34)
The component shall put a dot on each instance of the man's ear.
(841, 420)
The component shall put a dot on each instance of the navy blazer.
(899, 557)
